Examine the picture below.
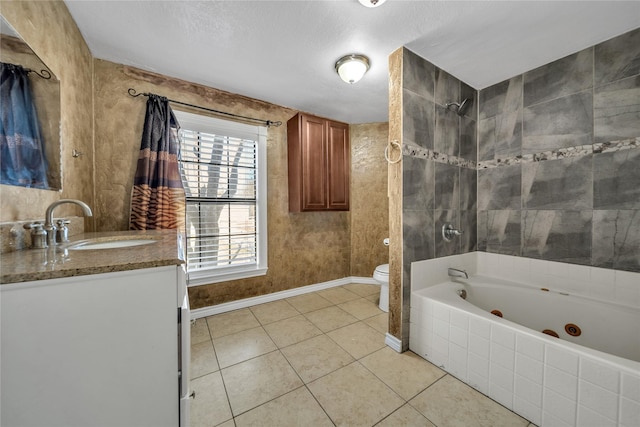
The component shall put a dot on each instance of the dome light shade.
(352, 67)
(371, 3)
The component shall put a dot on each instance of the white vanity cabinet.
(94, 350)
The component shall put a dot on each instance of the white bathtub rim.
(496, 281)
(445, 293)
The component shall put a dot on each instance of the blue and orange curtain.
(157, 198)
(22, 155)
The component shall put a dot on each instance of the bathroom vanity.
(95, 337)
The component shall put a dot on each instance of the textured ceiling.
(284, 51)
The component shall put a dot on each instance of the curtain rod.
(132, 92)
(44, 74)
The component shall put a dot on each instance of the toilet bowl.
(381, 275)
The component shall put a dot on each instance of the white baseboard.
(393, 342)
(261, 299)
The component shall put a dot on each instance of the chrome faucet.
(454, 272)
(449, 232)
(48, 225)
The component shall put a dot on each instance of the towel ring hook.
(386, 152)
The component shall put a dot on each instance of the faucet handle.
(62, 232)
(449, 232)
(62, 223)
(38, 234)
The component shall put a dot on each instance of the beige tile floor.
(320, 360)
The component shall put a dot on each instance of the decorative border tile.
(413, 150)
(625, 144)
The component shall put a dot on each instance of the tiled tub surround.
(438, 168)
(549, 381)
(558, 155)
(543, 166)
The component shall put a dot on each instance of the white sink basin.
(109, 243)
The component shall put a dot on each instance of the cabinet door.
(98, 350)
(314, 164)
(338, 165)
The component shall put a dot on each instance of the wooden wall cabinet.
(319, 157)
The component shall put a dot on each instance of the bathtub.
(589, 376)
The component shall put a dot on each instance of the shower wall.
(559, 159)
(438, 168)
(554, 173)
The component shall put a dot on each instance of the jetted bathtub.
(588, 376)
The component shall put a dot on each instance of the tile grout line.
(224, 384)
(304, 384)
(279, 349)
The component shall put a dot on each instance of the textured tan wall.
(369, 201)
(395, 198)
(48, 28)
(304, 248)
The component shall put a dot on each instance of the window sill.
(209, 277)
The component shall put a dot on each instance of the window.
(223, 167)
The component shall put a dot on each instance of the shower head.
(460, 108)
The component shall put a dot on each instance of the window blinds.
(219, 176)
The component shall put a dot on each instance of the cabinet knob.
(192, 395)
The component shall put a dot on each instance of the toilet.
(381, 275)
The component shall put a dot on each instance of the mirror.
(46, 98)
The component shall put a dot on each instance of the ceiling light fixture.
(371, 3)
(352, 67)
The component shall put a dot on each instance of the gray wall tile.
(468, 139)
(500, 120)
(617, 58)
(562, 122)
(560, 78)
(557, 235)
(468, 189)
(558, 184)
(616, 180)
(469, 227)
(499, 188)
(508, 134)
(499, 231)
(616, 110)
(447, 194)
(616, 239)
(486, 139)
(447, 88)
(418, 119)
(447, 132)
(418, 235)
(501, 97)
(418, 183)
(418, 75)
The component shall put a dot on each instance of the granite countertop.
(51, 263)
